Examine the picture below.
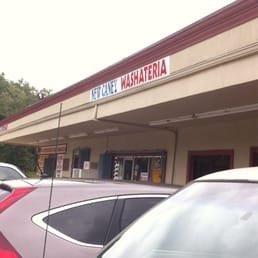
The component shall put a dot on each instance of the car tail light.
(13, 197)
(6, 249)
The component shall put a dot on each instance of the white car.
(9, 172)
(215, 216)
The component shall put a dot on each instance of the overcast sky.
(55, 43)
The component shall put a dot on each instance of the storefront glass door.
(202, 163)
(139, 168)
(128, 169)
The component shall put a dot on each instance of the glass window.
(76, 161)
(204, 165)
(141, 171)
(7, 173)
(66, 164)
(134, 208)
(156, 170)
(3, 194)
(87, 223)
(205, 220)
(139, 168)
(254, 157)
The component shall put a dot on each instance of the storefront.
(144, 167)
(179, 109)
(51, 159)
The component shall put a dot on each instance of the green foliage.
(23, 157)
(14, 96)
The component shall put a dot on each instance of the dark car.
(84, 216)
(216, 216)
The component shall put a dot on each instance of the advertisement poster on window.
(59, 165)
(156, 170)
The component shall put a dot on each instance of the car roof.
(117, 186)
(70, 191)
(8, 165)
(2, 164)
(239, 174)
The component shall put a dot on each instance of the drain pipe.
(174, 131)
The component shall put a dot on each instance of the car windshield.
(204, 220)
(7, 173)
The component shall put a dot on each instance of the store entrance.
(206, 162)
(50, 165)
(136, 167)
(128, 169)
(254, 157)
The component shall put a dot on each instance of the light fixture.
(33, 143)
(171, 120)
(59, 138)
(79, 135)
(210, 114)
(44, 140)
(228, 111)
(108, 130)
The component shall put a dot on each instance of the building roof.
(239, 174)
(231, 16)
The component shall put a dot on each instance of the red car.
(84, 216)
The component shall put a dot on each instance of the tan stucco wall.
(54, 109)
(73, 118)
(238, 136)
(209, 135)
(219, 77)
(222, 75)
(156, 140)
(235, 38)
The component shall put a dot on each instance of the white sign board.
(138, 77)
(86, 165)
(59, 165)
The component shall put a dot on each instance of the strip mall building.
(179, 109)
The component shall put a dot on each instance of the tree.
(14, 96)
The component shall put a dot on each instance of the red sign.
(145, 74)
(148, 73)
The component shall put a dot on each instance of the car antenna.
(52, 180)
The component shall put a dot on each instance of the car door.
(129, 208)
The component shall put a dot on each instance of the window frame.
(207, 153)
(252, 152)
(39, 219)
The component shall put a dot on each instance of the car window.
(205, 220)
(87, 223)
(7, 173)
(3, 194)
(134, 208)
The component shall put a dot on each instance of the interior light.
(79, 135)
(209, 114)
(108, 130)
